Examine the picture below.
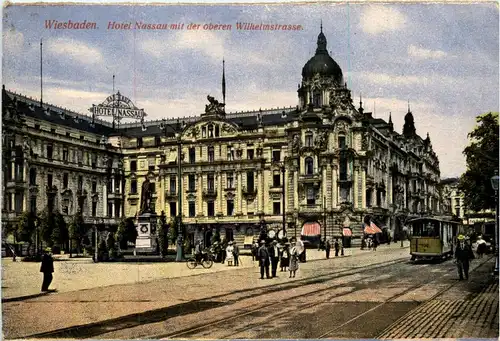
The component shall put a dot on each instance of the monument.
(146, 223)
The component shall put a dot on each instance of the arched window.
(309, 163)
(210, 130)
(317, 99)
(342, 141)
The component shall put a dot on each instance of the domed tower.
(321, 76)
(409, 126)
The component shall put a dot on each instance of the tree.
(482, 161)
(26, 228)
(78, 230)
(174, 231)
(60, 234)
(46, 226)
(127, 232)
(111, 245)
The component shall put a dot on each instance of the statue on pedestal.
(146, 195)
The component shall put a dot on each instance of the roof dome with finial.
(322, 63)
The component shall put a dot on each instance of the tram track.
(191, 332)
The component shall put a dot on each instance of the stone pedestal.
(146, 225)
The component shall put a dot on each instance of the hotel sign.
(118, 106)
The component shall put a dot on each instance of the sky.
(442, 58)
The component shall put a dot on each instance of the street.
(369, 295)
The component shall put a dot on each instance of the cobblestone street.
(366, 295)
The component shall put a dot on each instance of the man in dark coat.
(263, 256)
(275, 256)
(47, 269)
(337, 247)
(236, 254)
(328, 246)
(463, 255)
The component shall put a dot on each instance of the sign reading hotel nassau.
(118, 105)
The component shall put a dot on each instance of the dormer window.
(317, 99)
(204, 132)
(217, 131)
(210, 131)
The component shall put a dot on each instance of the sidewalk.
(467, 309)
(22, 280)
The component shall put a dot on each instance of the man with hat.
(263, 255)
(274, 254)
(47, 269)
(236, 254)
(463, 254)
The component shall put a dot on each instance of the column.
(363, 188)
(199, 183)
(13, 170)
(389, 190)
(355, 187)
(113, 210)
(323, 185)
(335, 187)
(105, 198)
(220, 192)
(295, 189)
(329, 201)
(239, 194)
(162, 193)
(260, 194)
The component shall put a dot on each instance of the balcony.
(311, 211)
(310, 177)
(171, 194)
(249, 192)
(210, 193)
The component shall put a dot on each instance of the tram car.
(433, 238)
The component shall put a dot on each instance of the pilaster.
(335, 187)
(363, 188)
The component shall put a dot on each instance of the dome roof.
(322, 63)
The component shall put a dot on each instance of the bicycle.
(206, 262)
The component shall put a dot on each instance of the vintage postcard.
(250, 171)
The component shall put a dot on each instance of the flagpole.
(223, 82)
(41, 72)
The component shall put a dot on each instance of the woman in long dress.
(229, 254)
(294, 261)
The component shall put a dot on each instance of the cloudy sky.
(442, 58)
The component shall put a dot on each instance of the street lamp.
(177, 129)
(494, 184)
(283, 185)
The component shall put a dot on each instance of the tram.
(433, 238)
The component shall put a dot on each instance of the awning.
(372, 228)
(347, 232)
(311, 229)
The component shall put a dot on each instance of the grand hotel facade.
(333, 164)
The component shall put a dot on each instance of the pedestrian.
(236, 254)
(263, 255)
(375, 242)
(255, 248)
(302, 255)
(463, 255)
(341, 246)
(481, 247)
(197, 252)
(229, 254)
(223, 247)
(328, 246)
(47, 269)
(275, 256)
(337, 247)
(294, 260)
(285, 257)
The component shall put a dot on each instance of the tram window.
(426, 229)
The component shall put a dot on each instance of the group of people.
(223, 253)
(286, 256)
(337, 245)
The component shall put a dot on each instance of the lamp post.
(494, 184)
(177, 129)
(283, 185)
(96, 251)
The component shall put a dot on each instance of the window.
(309, 163)
(82, 137)
(157, 141)
(230, 180)
(250, 154)
(276, 208)
(217, 131)
(80, 183)
(37, 126)
(65, 155)
(204, 132)
(53, 130)
(210, 131)
(94, 161)
(18, 202)
(457, 211)
(68, 134)
(33, 204)
(250, 181)
(230, 153)
(342, 141)
(173, 209)
(80, 157)
(230, 207)
(139, 142)
(379, 198)
(317, 99)
(368, 198)
(173, 184)
(211, 154)
(65, 180)
(33, 177)
(94, 186)
(94, 208)
(49, 152)
(457, 202)
(49, 180)
(133, 186)
(210, 208)
(110, 209)
(311, 196)
(309, 140)
(133, 166)
(192, 209)
(343, 168)
(109, 186)
(191, 183)
(151, 164)
(192, 155)
(276, 179)
(152, 187)
(210, 183)
(276, 155)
